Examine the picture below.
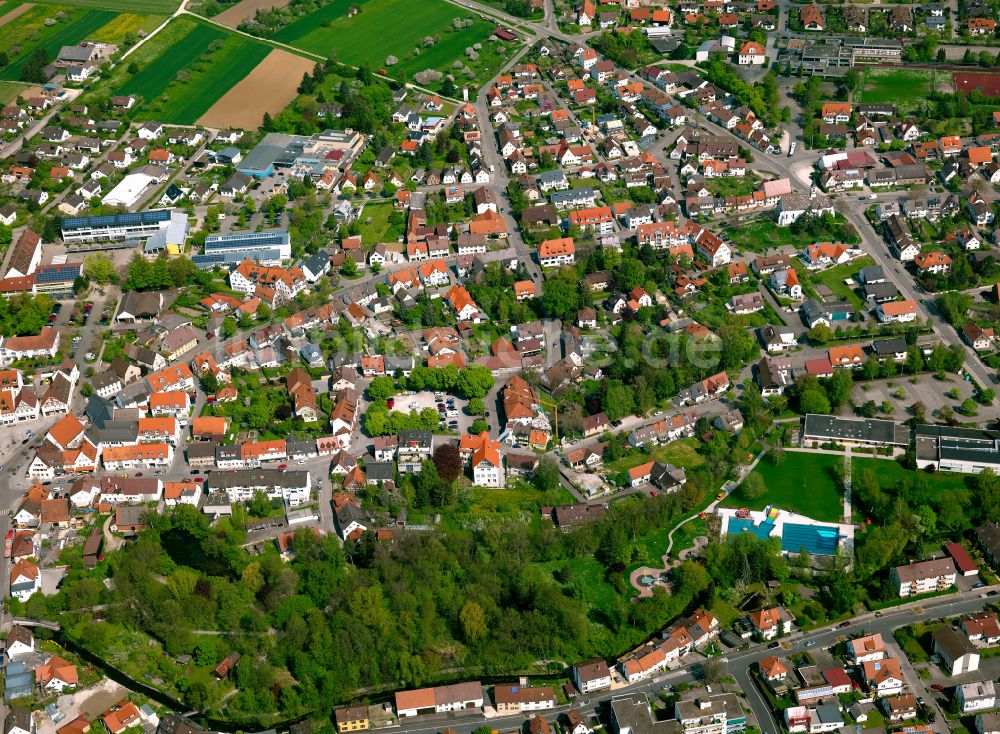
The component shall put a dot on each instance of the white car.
(791, 148)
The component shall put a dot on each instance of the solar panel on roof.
(56, 273)
(153, 216)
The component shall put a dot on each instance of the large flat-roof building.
(865, 431)
(966, 450)
(308, 154)
(268, 248)
(125, 229)
(129, 190)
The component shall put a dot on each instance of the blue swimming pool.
(762, 531)
(817, 540)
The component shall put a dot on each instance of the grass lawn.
(686, 533)
(633, 458)
(803, 483)
(681, 453)
(835, 279)
(875, 720)
(116, 30)
(202, 83)
(891, 473)
(904, 88)
(733, 186)
(10, 90)
(373, 232)
(394, 27)
(76, 26)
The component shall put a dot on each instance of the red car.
(199, 479)
(282, 466)
(390, 402)
(937, 686)
(138, 473)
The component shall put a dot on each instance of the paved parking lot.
(903, 392)
(416, 402)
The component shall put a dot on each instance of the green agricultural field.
(151, 80)
(196, 87)
(394, 27)
(803, 483)
(29, 32)
(904, 88)
(10, 90)
(153, 7)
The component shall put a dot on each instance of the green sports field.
(904, 88)
(29, 32)
(392, 27)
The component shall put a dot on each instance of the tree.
(559, 298)
(350, 268)
(479, 425)
(381, 389)
(474, 382)
(100, 269)
(987, 395)
(814, 401)
(476, 406)
(852, 80)
(618, 400)
(714, 670)
(752, 487)
(473, 621)
(840, 388)
(546, 476)
(448, 461)
(820, 334)
(34, 68)
(259, 505)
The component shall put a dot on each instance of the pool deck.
(759, 516)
